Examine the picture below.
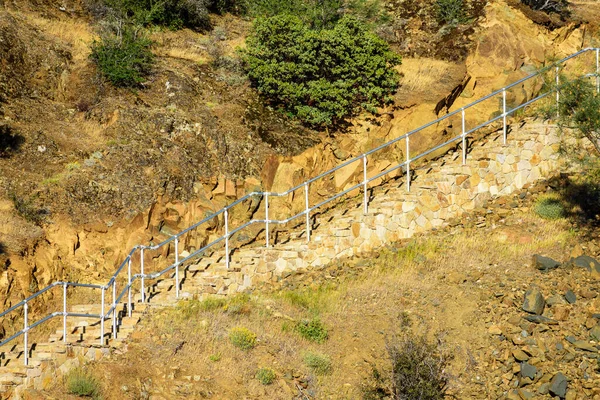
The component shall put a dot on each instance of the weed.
(27, 209)
(82, 383)
(266, 376)
(242, 338)
(188, 309)
(314, 301)
(319, 363)
(549, 207)
(72, 166)
(312, 330)
(215, 357)
(451, 12)
(417, 369)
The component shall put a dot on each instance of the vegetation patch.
(266, 376)
(82, 383)
(549, 207)
(312, 330)
(123, 55)
(318, 363)
(452, 12)
(242, 338)
(324, 76)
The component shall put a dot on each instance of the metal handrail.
(405, 165)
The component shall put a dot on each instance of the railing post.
(129, 286)
(267, 219)
(26, 331)
(177, 266)
(464, 139)
(102, 318)
(598, 70)
(557, 92)
(64, 312)
(407, 164)
(365, 199)
(307, 212)
(504, 113)
(114, 307)
(142, 274)
(226, 238)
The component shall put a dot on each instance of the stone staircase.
(441, 190)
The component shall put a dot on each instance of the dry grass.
(77, 34)
(430, 285)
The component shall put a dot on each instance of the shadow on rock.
(9, 141)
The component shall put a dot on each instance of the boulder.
(558, 385)
(534, 302)
(587, 262)
(544, 263)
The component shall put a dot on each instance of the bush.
(266, 376)
(579, 109)
(82, 383)
(451, 12)
(417, 369)
(320, 77)
(123, 56)
(548, 6)
(319, 363)
(312, 330)
(242, 338)
(549, 207)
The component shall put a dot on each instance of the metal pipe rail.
(111, 313)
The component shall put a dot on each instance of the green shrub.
(451, 12)
(579, 109)
(319, 363)
(242, 338)
(82, 383)
(266, 376)
(312, 330)
(28, 209)
(322, 76)
(549, 207)
(124, 56)
(417, 369)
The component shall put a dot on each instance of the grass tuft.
(318, 363)
(242, 338)
(82, 383)
(312, 330)
(549, 207)
(266, 376)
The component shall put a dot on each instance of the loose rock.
(534, 302)
(558, 385)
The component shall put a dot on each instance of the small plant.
(549, 207)
(82, 383)
(319, 363)
(27, 209)
(312, 330)
(451, 12)
(266, 376)
(123, 55)
(215, 357)
(418, 369)
(242, 338)
(579, 109)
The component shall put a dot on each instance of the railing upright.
(102, 318)
(129, 286)
(143, 291)
(26, 331)
(114, 309)
(557, 92)
(365, 183)
(307, 212)
(598, 71)
(65, 312)
(464, 139)
(504, 127)
(177, 267)
(226, 216)
(267, 219)
(407, 164)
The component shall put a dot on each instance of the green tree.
(320, 76)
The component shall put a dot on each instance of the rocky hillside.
(90, 171)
